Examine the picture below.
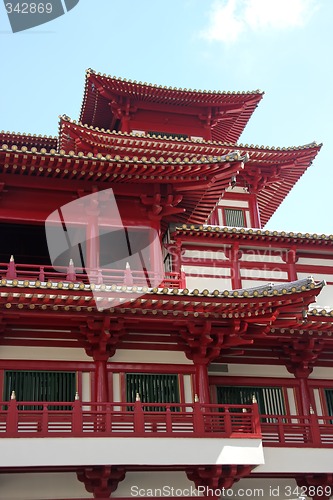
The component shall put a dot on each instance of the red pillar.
(255, 215)
(304, 394)
(301, 373)
(291, 260)
(92, 237)
(177, 256)
(156, 263)
(101, 380)
(202, 382)
(236, 281)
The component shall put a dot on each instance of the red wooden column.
(101, 379)
(176, 251)
(92, 235)
(234, 255)
(101, 338)
(291, 259)
(305, 401)
(202, 381)
(300, 357)
(155, 252)
(255, 215)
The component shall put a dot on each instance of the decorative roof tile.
(248, 233)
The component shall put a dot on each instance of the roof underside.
(200, 179)
(232, 109)
(271, 173)
(141, 310)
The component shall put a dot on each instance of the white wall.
(147, 356)
(43, 486)
(209, 283)
(128, 451)
(43, 353)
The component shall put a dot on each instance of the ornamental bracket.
(204, 343)
(300, 355)
(218, 476)
(102, 480)
(159, 206)
(101, 338)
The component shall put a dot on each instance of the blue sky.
(283, 47)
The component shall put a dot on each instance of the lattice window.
(329, 400)
(167, 257)
(270, 399)
(234, 217)
(40, 386)
(152, 388)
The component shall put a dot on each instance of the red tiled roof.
(234, 108)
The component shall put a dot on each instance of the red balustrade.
(84, 419)
(32, 272)
(297, 430)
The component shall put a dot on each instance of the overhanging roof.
(201, 180)
(234, 108)
(248, 235)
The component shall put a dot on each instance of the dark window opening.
(167, 257)
(270, 399)
(152, 388)
(26, 242)
(116, 245)
(329, 402)
(40, 386)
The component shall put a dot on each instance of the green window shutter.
(234, 217)
(329, 400)
(40, 386)
(270, 399)
(152, 388)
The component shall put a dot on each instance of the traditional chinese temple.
(155, 339)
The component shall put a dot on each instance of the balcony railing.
(119, 277)
(297, 431)
(86, 419)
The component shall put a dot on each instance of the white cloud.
(228, 19)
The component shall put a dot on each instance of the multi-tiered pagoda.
(169, 342)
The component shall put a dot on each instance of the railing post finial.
(13, 395)
(70, 275)
(254, 399)
(137, 397)
(128, 277)
(11, 269)
(77, 397)
(196, 398)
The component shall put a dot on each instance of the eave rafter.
(99, 89)
(191, 233)
(271, 173)
(234, 317)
